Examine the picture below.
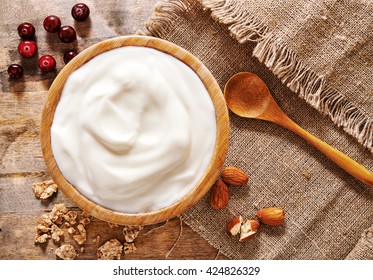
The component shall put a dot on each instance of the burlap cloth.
(322, 51)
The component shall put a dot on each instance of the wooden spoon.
(248, 96)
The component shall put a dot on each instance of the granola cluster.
(110, 250)
(66, 252)
(113, 248)
(57, 223)
(45, 189)
(61, 222)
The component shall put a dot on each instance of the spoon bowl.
(244, 90)
(248, 96)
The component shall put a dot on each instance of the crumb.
(45, 189)
(111, 225)
(131, 232)
(71, 230)
(306, 174)
(42, 238)
(82, 236)
(110, 250)
(96, 239)
(57, 213)
(70, 217)
(66, 252)
(129, 248)
(82, 249)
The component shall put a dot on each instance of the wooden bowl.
(214, 167)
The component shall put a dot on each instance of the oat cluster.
(44, 190)
(61, 222)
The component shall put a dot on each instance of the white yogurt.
(134, 130)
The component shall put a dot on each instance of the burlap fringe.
(164, 15)
(313, 87)
(286, 65)
(282, 61)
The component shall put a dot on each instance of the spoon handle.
(345, 162)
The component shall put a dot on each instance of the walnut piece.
(45, 189)
(66, 252)
(128, 248)
(131, 232)
(110, 250)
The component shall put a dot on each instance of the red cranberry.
(80, 12)
(15, 71)
(27, 48)
(52, 23)
(26, 30)
(67, 34)
(47, 63)
(69, 56)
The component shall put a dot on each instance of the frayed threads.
(243, 26)
(165, 14)
(301, 79)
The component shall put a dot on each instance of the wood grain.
(21, 103)
(153, 242)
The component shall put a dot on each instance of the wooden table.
(21, 162)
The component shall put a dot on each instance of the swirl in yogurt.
(134, 130)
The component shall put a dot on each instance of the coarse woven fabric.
(322, 50)
(326, 210)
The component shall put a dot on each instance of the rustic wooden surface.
(21, 162)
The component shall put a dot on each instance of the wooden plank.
(18, 233)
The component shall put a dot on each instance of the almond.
(219, 196)
(234, 225)
(272, 216)
(234, 176)
(248, 230)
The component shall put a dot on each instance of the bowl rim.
(218, 157)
